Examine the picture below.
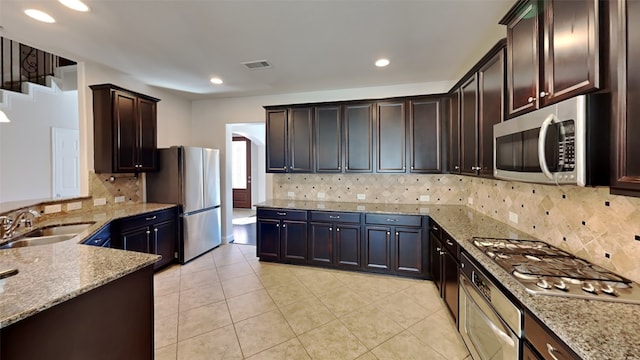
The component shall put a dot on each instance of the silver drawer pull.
(435, 228)
(281, 213)
(334, 217)
(392, 220)
(151, 218)
(551, 350)
(449, 243)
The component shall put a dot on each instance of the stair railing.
(22, 63)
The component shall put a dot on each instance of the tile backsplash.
(588, 222)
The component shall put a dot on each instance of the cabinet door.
(268, 239)
(164, 242)
(294, 240)
(522, 60)
(300, 140)
(358, 129)
(491, 99)
(424, 130)
(276, 141)
(454, 132)
(321, 243)
(125, 143)
(625, 74)
(328, 144)
(450, 283)
(409, 251)
(137, 239)
(378, 248)
(147, 155)
(435, 257)
(571, 57)
(391, 135)
(347, 246)
(468, 124)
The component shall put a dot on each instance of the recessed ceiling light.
(216, 81)
(39, 15)
(76, 5)
(382, 62)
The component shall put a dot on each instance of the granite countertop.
(51, 274)
(593, 329)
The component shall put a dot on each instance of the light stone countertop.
(51, 274)
(593, 329)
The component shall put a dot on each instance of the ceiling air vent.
(258, 64)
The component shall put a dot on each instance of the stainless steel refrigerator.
(190, 177)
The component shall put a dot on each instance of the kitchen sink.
(48, 235)
(64, 229)
(34, 241)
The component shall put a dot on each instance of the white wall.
(210, 118)
(25, 142)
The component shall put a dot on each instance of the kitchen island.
(74, 301)
(593, 329)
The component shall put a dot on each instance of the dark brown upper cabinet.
(124, 130)
(625, 82)
(490, 109)
(453, 133)
(390, 137)
(468, 126)
(358, 133)
(289, 140)
(476, 104)
(553, 52)
(425, 135)
(328, 144)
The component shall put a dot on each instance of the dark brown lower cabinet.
(445, 266)
(334, 239)
(377, 248)
(113, 321)
(282, 235)
(154, 233)
(293, 235)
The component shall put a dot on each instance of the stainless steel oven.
(490, 324)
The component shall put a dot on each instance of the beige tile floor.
(228, 305)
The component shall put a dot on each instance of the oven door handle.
(497, 325)
(542, 139)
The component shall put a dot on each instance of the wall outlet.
(74, 206)
(291, 194)
(50, 209)
(360, 208)
(424, 210)
(513, 217)
(320, 195)
(424, 197)
(119, 199)
(470, 200)
(361, 197)
(99, 201)
(320, 206)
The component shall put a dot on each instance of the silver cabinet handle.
(339, 167)
(456, 167)
(277, 225)
(449, 243)
(531, 99)
(330, 229)
(397, 233)
(392, 220)
(412, 168)
(435, 228)
(284, 167)
(442, 252)
(334, 217)
(151, 218)
(338, 229)
(438, 249)
(148, 232)
(282, 213)
(284, 225)
(543, 94)
(551, 350)
(388, 233)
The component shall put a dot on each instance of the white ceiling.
(312, 45)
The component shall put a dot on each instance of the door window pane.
(239, 158)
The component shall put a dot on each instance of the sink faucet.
(8, 225)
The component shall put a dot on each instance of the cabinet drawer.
(332, 216)
(395, 220)
(285, 214)
(148, 218)
(544, 341)
(450, 244)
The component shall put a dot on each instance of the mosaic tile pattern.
(588, 222)
(126, 185)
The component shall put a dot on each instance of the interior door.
(241, 177)
(66, 162)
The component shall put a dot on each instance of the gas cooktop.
(547, 270)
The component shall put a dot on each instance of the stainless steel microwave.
(565, 143)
